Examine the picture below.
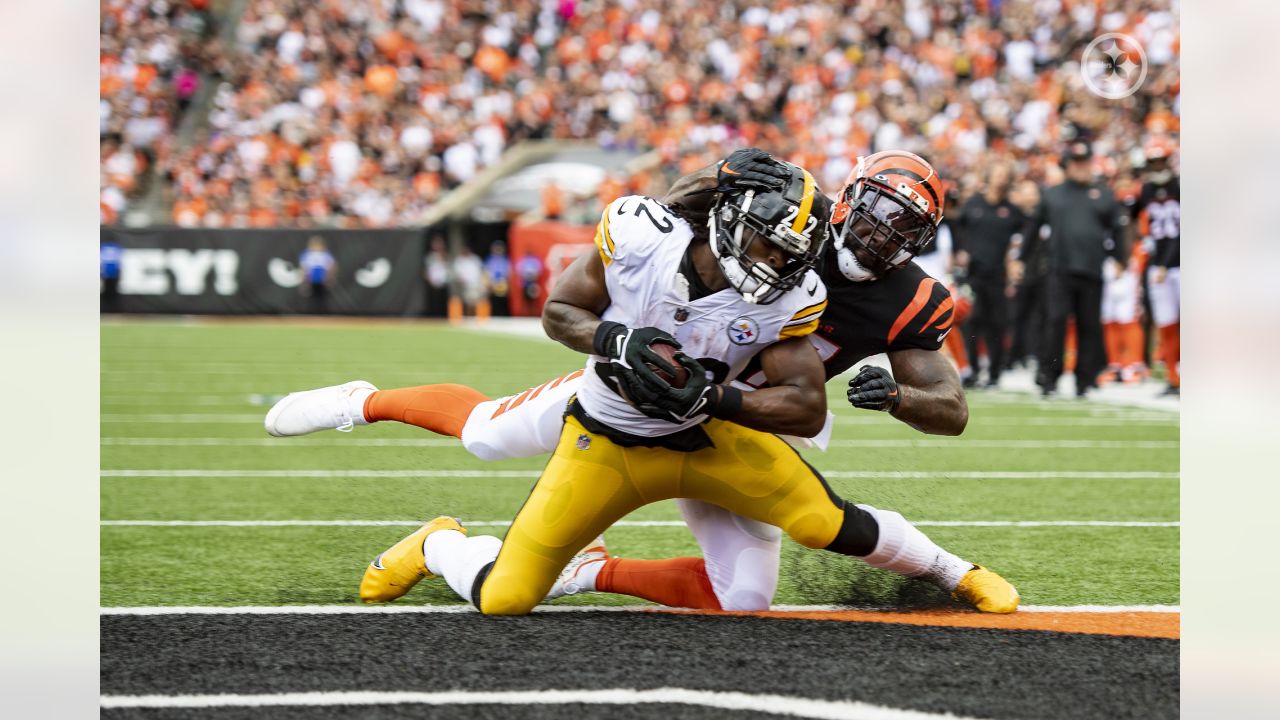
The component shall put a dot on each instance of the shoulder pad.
(632, 226)
(806, 301)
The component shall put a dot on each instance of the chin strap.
(746, 284)
(848, 262)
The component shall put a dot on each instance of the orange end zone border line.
(1131, 624)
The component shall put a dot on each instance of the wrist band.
(730, 403)
(603, 338)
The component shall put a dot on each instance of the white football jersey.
(641, 243)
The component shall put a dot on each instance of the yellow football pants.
(584, 490)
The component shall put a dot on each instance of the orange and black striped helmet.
(887, 213)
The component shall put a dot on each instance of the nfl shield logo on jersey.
(584, 442)
(743, 331)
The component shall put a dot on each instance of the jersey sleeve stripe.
(604, 242)
(808, 313)
(943, 307)
(806, 204)
(913, 308)
(790, 331)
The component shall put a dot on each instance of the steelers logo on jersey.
(743, 331)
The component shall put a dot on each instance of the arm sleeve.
(923, 325)
(1031, 239)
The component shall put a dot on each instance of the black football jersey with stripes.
(905, 309)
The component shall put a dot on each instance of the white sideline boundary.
(442, 473)
(468, 608)
(327, 441)
(731, 701)
(256, 420)
(621, 523)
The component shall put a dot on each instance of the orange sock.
(1113, 339)
(1069, 347)
(1132, 334)
(441, 409)
(677, 582)
(1170, 350)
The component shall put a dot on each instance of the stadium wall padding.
(236, 272)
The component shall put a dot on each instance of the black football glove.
(699, 396)
(751, 169)
(873, 388)
(629, 347)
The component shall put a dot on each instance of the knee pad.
(859, 532)
(479, 583)
(506, 600)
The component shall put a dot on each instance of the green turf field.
(191, 396)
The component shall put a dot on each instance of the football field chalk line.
(468, 608)
(775, 704)
(959, 444)
(1156, 621)
(621, 523)
(440, 473)
(256, 419)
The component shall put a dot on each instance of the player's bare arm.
(795, 402)
(572, 318)
(931, 398)
(572, 313)
(748, 168)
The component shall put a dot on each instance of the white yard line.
(621, 523)
(281, 442)
(192, 418)
(331, 441)
(468, 608)
(868, 419)
(983, 422)
(442, 473)
(728, 701)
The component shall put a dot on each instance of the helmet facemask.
(877, 230)
(738, 220)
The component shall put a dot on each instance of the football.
(669, 353)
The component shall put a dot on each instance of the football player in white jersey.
(528, 424)
(631, 438)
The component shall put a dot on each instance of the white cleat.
(567, 583)
(338, 407)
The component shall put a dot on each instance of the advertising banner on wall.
(199, 271)
(539, 253)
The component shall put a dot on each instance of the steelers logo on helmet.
(745, 225)
(887, 213)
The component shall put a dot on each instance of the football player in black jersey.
(1160, 221)
(879, 302)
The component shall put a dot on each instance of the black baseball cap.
(1079, 151)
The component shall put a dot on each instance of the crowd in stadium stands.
(363, 113)
(152, 54)
(360, 113)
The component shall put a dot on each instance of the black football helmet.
(793, 218)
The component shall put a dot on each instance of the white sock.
(458, 558)
(903, 549)
(355, 404)
(586, 577)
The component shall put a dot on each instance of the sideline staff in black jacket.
(1081, 223)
